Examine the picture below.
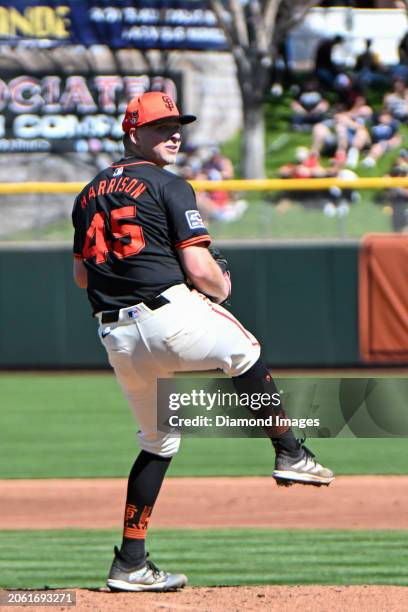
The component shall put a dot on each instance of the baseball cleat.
(146, 578)
(304, 470)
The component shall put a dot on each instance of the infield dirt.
(311, 598)
(355, 502)
(350, 502)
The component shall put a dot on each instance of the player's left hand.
(223, 264)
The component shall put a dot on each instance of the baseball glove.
(223, 264)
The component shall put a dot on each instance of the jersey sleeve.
(185, 222)
(79, 233)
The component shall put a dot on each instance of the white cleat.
(146, 578)
(304, 470)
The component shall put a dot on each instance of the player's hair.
(126, 140)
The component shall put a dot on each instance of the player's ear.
(133, 136)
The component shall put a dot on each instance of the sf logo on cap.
(168, 102)
(134, 117)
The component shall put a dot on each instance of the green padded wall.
(299, 299)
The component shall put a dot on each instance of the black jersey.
(129, 222)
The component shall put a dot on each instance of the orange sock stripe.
(136, 530)
(134, 533)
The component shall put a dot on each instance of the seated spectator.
(309, 107)
(189, 163)
(281, 69)
(352, 138)
(401, 70)
(307, 165)
(385, 136)
(217, 166)
(326, 69)
(396, 102)
(344, 137)
(368, 67)
(339, 199)
(398, 196)
(367, 60)
(332, 200)
(219, 205)
(347, 89)
(400, 165)
(352, 133)
(360, 110)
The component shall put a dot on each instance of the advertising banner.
(141, 24)
(77, 113)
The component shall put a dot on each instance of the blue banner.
(63, 113)
(141, 24)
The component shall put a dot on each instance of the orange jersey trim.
(132, 164)
(190, 241)
(77, 256)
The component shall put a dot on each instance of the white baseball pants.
(191, 333)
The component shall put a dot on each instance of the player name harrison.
(133, 189)
(226, 421)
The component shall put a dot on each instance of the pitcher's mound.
(311, 598)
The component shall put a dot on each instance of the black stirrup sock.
(258, 380)
(145, 480)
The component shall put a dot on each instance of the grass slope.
(263, 219)
(79, 425)
(81, 558)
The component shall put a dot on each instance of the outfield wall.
(298, 298)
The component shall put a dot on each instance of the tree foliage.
(254, 30)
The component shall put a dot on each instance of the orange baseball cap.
(151, 107)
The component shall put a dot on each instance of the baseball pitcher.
(141, 252)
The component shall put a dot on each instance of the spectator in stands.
(368, 67)
(326, 69)
(398, 197)
(401, 70)
(219, 205)
(309, 107)
(396, 102)
(306, 165)
(352, 129)
(345, 137)
(339, 200)
(189, 164)
(333, 200)
(385, 136)
(400, 166)
(360, 110)
(367, 60)
(347, 89)
(281, 69)
(217, 166)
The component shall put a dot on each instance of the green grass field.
(81, 558)
(79, 425)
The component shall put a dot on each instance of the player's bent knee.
(163, 445)
(239, 364)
